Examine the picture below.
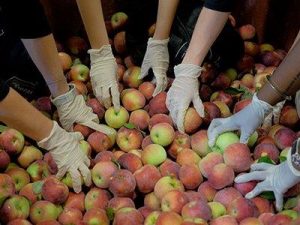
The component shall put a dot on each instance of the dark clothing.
(21, 19)
(219, 5)
(4, 89)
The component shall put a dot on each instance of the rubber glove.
(157, 58)
(246, 120)
(104, 76)
(72, 109)
(297, 102)
(276, 178)
(184, 90)
(65, 150)
(274, 116)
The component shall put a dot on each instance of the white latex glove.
(246, 120)
(274, 116)
(184, 90)
(297, 102)
(276, 178)
(65, 150)
(72, 109)
(157, 58)
(104, 76)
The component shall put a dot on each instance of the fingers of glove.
(261, 166)
(180, 116)
(61, 172)
(245, 134)
(77, 136)
(99, 127)
(115, 97)
(66, 124)
(279, 200)
(86, 174)
(106, 97)
(76, 179)
(217, 127)
(256, 175)
(197, 102)
(146, 65)
(260, 187)
(161, 84)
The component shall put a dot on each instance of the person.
(185, 87)
(26, 20)
(281, 85)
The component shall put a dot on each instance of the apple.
(132, 99)
(75, 200)
(169, 167)
(7, 187)
(162, 134)
(208, 74)
(152, 218)
(157, 104)
(54, 190)
(128, 61)
(102, 173)
(4, 160)
(117, 203)
(95, 216)
(199, 143)
(205, 189)
(32, 191)
(146, 178)
(122, 183)
(65, 61)
(180, 142)
(120, 72)
(77, 45)
(51, 163)
(166, 184)
(151, 30)
(222, 81)
(120, 42)
(187, 157)
(128, 216)
(99, 141)
(245, 64)
(38, 170)
(226, 196)
(79, 72)
(97, 107)
(222, 96)
(151, 201)
(19, 222)
(128, 139)
(225, 140)
(217, 209)
(70, 216)
(81, 88)
(220, 176)
(12, 141)
(196, 209)
(15, 207)
(140, 118)
(154, 154)
(265, 47)
(192, 121)
(116, 119)
(130, 161)
(96, 198)
(205, 92)
(190, 176)
(224, 220)
(231, 73)
(44, 104)
(159, 118)
(211, 112)
(169, 218)
(147, 89)
(247, 31)
(251, 48)
(118, 20)
(104, 156)
(29, 155)
(19, 176)
(131, 77)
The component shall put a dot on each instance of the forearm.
(285, 78)
(92, 16)
(209, 25)
(17, 113)
(44, 54)
(165, 18)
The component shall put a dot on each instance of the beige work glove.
(72, 109)
(104, 76)
(184, 90)
(65, 150)
(157, 58)
(274, 116)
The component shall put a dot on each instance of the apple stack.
(147, 172)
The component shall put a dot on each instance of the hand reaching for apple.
(157, 58)
(65, 150)
(184, 90)
(72, 109)
(276, 178)
(104, 76)
(246, 120)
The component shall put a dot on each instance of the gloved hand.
(104, 76)
(297, 102)
(184, 90)
(157, 58)
(65, 150)
(246, 120)
(276, 178)
(72, 109)
(274, 116)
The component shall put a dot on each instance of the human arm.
(103, 64)
(17, 113)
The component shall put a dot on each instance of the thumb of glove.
(244, 136)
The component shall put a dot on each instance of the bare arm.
(286, 77)
(165, 18)
(16, 112)
(209, 25)
(44, 54)
(92, 16)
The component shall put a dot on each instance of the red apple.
(118, 20)
(79, 72)
(12, 141)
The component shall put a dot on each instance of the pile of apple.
(147, 172)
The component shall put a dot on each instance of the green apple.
(291, 213)
(152, 218)
(252, 139)
(154, 154)
(231, 73)
(116, 119)
(224, 140)
(217, 209)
